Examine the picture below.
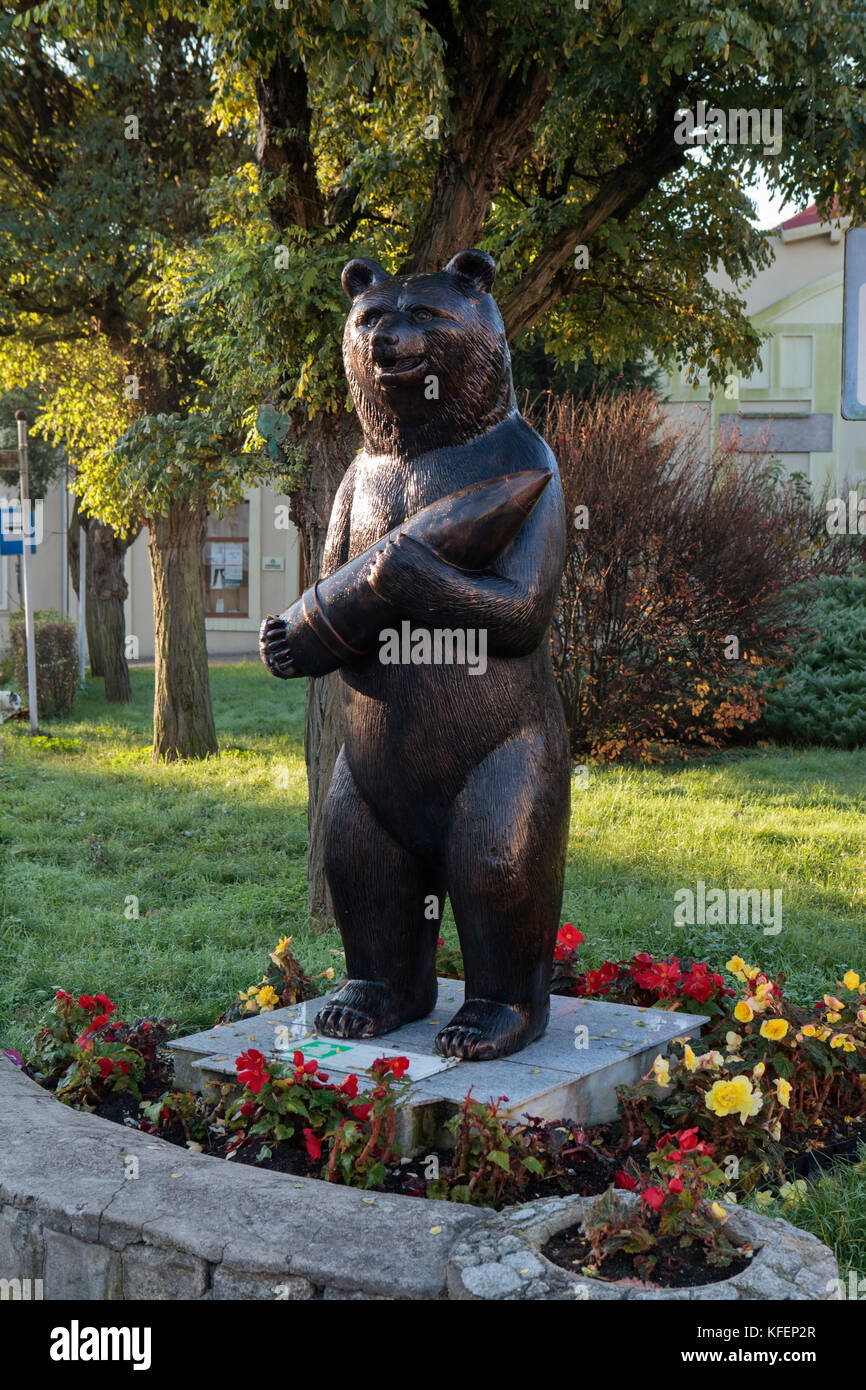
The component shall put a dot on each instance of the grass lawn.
(214, 852)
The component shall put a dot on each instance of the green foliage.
(820, 696)
(494, 1158)
(57, 666)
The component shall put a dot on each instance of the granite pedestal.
(590, 1047)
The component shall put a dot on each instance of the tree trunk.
(330, 442)
(183, 723)
(105, 593)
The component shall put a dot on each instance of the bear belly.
(414, 734)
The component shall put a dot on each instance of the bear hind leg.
(381, 895)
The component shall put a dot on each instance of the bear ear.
(360, 274)
(476, 266)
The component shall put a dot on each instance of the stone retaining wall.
(97, 1211)
(73, 1213)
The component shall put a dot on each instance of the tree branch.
(548, 277)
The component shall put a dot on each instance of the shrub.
(675, 1206)
(284, 982)
(354, 1132)
(771, 1072)
(56, 660)
(494, 1158)
(643, 980)
(83, 1052)
(671, 554)
(820, 696)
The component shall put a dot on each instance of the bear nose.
(385, 337)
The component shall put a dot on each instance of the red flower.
(61, 994)
(399, 1066)
(625, 1180)
(440, 941)
(106, 1003)
(311, 1067)
(87, 1001)
(654, 1197)
(361, 1112)
(248, 1107)
(349, 1087)
(314, 1145)
(106, 1066)
(124, 1068)
(298, 1059)
(676, 1186)
(251, 1070)
(662, 978)
(689, 1138)
(568, 938)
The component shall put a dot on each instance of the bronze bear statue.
(450, 779)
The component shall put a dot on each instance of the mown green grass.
(833, 1208)
(215, 854)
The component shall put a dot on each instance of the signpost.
(854, 326)
(27, 547)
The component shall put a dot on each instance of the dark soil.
(675, 1267)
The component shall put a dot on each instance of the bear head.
(426, 355)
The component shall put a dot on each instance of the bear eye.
(421, 315)
(372, 318)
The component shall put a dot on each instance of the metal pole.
(26, 528)
(82, 582)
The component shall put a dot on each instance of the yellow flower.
(764, 1198)
(737, 966)
(733, 1040)
(662, 1071)
(751, 971)
(329, 973)
(718, 1211)
(710, 1061)
(765, 990)
(833, 1017)
(758, 1071)
(774, 1029)
(845, 1041)
(689, 1058)
(267, 998)
(733, 1097)
(783, 1091)
(809, 1030)
(283, 944)
(833, 1003)
(851, 980)
(744, 1012)
(861, 1015)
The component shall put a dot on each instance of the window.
(227, 564)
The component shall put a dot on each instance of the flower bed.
(771, 1087)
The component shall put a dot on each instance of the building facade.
(250, 562)
(791, 406)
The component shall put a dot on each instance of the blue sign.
(12, 528)
(854, 326)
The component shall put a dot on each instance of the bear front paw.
(275, 648)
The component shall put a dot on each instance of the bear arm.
(513, 601)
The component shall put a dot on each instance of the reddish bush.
(678, 575)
